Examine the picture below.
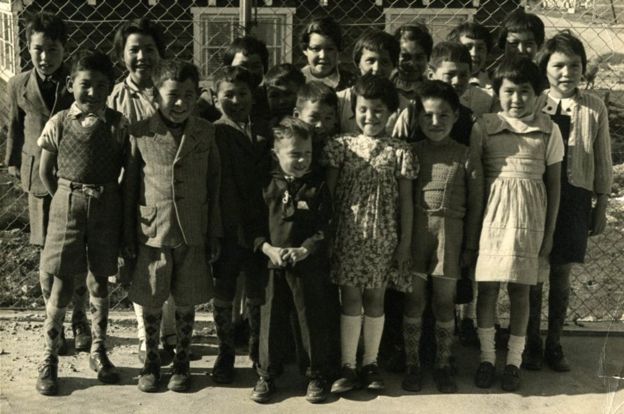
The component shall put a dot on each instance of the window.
(8, 41)
(216, 27)
(440, 21)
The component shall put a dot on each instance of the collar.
(496, 123)
(77, 113)
(130, 84)
(332, 80)
(551, 103)
(57, 76)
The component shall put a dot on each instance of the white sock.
(350, 328)
(373, 329)
(488, 347)
(515, 346)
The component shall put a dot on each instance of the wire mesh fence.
(199, 31)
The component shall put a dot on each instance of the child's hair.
(247, 45)
(521, 21)
(281, 75)
(474, 31)
(418, 33)
(316, 91)
(370, 86)
(518, 69)
(563, 42)
(143, 26)
(376, 41)
(175, 70)
(95, 61)
(233, 74)
(291, 128)
(324, 26)
(449, 52)
(52, 27)
(436, 89)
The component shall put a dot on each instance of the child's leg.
(533, 334)
(98, 360)
(558, 299)
(350, 329)
(151, 320)
(168, 324)
(519, 318)
(415, 302)
(443, 310)
(184, 321)
(373, 301)
(486, 317)
(80, 325)
(60, 296)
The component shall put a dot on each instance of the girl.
(521, 155)
(369, 177)
(416, 45)
(582, 119)
(522, 34)
(140, 45)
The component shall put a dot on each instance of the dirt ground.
(592, 387)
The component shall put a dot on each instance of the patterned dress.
(367, 209)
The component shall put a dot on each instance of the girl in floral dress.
(370, 178)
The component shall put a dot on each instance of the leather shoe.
(317, 391)
(82, 336)
(47, 382)
(555, 359)
(413, 379)
(180, 380)
(486, 373)
(106, 372)
(149, 378)
(510, 380)
(263, 390)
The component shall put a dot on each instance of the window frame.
(9, 16)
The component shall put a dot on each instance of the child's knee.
(61, 292)
(518, 292)
(414, 304)
(97, 285)
(443, 307)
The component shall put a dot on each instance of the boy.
(416, 44)
(171, 196)
(316, 105)
(298, 213)
(83, 147)
(522, 33)
(244, 149)
(479, 42)
(282, 83)
(34, 96)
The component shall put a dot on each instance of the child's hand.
(403, 257)
(547, 245)
(215, 250)
(598, 216)
(295, 254)
(275, 254)
(468, 258)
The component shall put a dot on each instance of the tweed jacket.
(172, 189)
(28, 114)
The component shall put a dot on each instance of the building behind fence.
(200, 30)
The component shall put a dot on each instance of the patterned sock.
(225, 329)
(253, 317)
(52, 328)
(185, 319)
(515, 346)
(488, 346)
(99, 323)
(444, 341)
(350, 328)
(80, 298)
(151, 321)
(373, 329)
(412, 329)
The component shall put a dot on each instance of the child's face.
(90, 89)
(294, 156)
(322, 55)
(521, 43)
(234, 99)
(455, 74)
(141, 56)
(252, 62)
(436, 119)
(282, 98)
(176, 100)
(371, 116)
(321, 116)
(478, 52)
(45, 53)
(516, 99)
(377, 63)
(564, 73)
(412, 59)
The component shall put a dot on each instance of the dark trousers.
(305, 293)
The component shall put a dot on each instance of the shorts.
(181, 272)
(38, 215)
(437, 245)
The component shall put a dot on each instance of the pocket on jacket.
(147, 222)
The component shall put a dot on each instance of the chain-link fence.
(200, 30)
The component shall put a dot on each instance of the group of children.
(324, 189)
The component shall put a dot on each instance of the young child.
(370, 178)
(522, 34)
(244, 149)
(282, 83)
(416, 44)
(34, 96)
(375, 52)
(298, 211)
(139, 45)
(448, 197)
(171, 211)
(316, 105)
(586, 174)
(521, 154)
(321, 43)
(82, 153)
(478, 40)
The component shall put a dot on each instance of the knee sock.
(99, 323)
(412, 329)
(515, 346)
(80, 298)
(45, 281)
(225, 329)
(52, 328)
(444, 341)
(373, 329)
(488, 347)
(168, 322)
(350, 328)
(185, 319)
(151, 321)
